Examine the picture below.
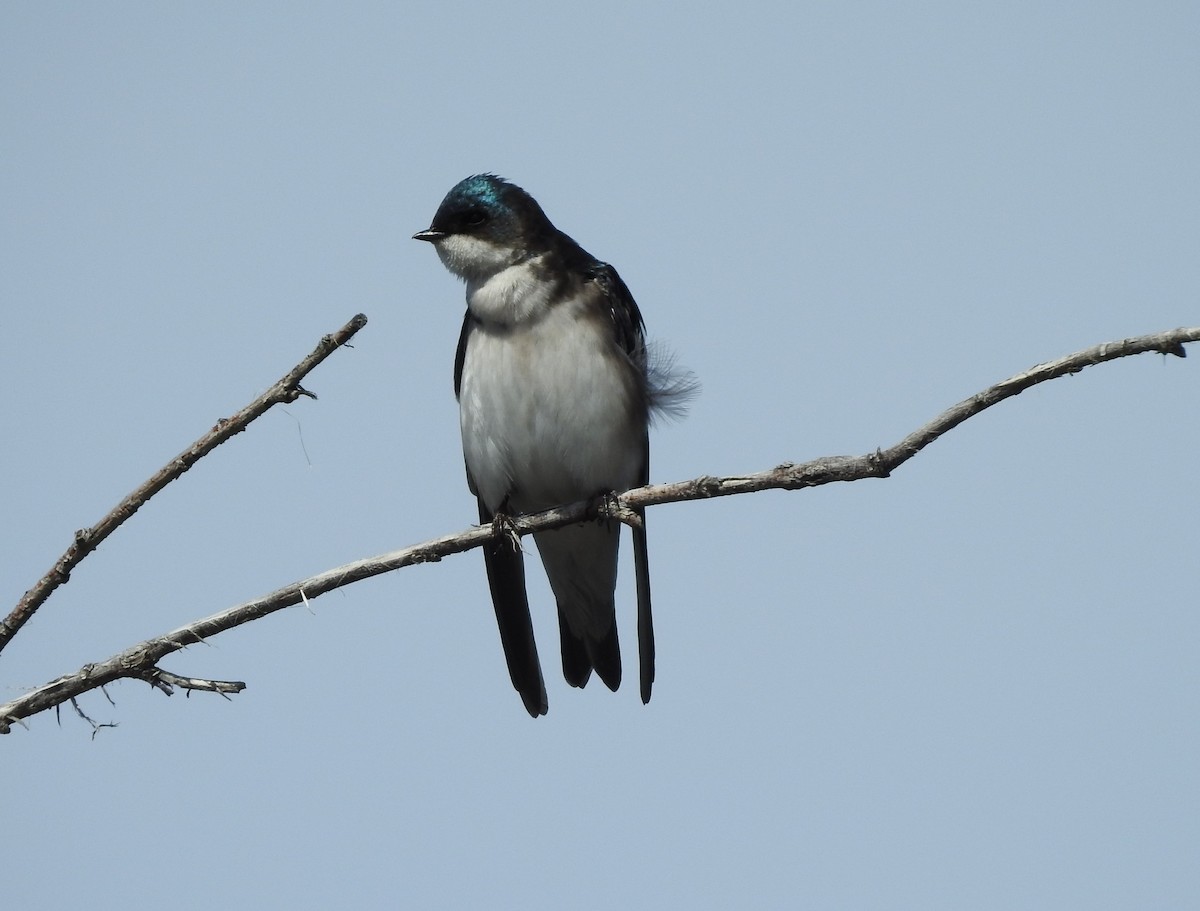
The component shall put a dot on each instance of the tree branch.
(140, 661)
(286, 389)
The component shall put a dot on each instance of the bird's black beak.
(429, 235)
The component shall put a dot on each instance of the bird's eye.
(475, 217)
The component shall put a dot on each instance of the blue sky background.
(973, 685)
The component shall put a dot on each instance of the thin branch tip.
(166, 682)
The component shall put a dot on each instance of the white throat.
(513, 295)
(501, 287)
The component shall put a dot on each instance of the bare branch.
(141, 660)
(286, 389)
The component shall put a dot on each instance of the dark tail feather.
(581, 655)
(606, 657)
(641, 569)
(506, 578)
(577, 666)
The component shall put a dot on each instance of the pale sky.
(972, 685)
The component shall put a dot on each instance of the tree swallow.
(555, 392)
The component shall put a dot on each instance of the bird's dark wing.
(641, 571)
(628, 326)
(461, 354)
(506, 579)
(629, 334)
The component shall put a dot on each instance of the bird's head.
(484, 225)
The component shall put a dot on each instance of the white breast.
(548, 409)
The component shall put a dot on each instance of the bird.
(556, 387)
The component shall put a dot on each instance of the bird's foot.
(504, 529)
(608, 506)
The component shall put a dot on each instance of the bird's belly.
(548, 416)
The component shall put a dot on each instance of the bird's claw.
(504, 529)
(609, 507)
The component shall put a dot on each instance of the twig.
(96, 725)
(141, 660)
(286, 389)
(166, 682)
